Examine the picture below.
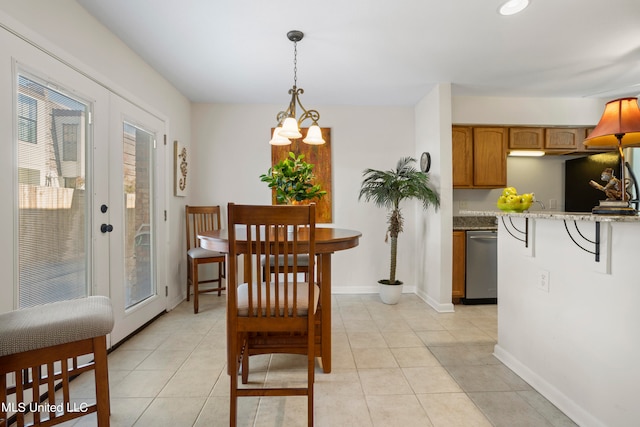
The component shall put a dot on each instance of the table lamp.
(619, 127)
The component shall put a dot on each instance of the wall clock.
(425, 162)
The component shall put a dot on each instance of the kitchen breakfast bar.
(568, 317)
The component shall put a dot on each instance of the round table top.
(327, 239)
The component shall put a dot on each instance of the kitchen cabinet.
(459, 262)
(526, 138)
(462, 156)
(565, 139)
(479, 157)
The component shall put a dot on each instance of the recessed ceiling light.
(512, 7)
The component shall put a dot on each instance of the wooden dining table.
(328, 241)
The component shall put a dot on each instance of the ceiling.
(381, 52)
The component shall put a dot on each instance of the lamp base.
(614, 207)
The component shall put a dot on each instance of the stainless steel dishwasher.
(481, 267)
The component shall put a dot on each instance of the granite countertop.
(475, 222)
(571, 216)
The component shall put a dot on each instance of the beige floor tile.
(550, 412)
(147, 340)
(402, 339)
(465, 355)
(507, 409)
(191, 383)
(452, 410)
(384, 382)
(141, 383)
(397, 411)
(436, 338)
(408, 357)
(183, 342)
(431, 379)
(124, 359)
(282, 411)
(366, 340)
(163, 359)
(367, 358)
(402, 365)
(339, 410)
(472, 335)
(487, 378)
(171, 412)
(216, 412)
(338, 383)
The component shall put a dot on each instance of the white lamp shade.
(290, 128)
(314, 136)
(278, 139)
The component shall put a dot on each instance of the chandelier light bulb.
(290, 128)
(314, 136)
(278, 139)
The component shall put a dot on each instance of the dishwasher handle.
(484, 237)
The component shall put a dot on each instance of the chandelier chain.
(295, 64)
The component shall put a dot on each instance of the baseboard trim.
(570, 408)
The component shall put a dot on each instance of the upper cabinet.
(462, 156)
(479, 157)
(553, 140)
(563, 138)
(526, 138)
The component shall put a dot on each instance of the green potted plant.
(388, 189)
(293, 180)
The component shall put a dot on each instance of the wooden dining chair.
(199, 219)
(270, 313)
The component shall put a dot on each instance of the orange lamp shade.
(620, 117)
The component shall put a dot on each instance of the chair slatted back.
(264, 301)
(199, 219)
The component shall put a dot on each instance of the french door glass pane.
(138, 179)
(52, 204)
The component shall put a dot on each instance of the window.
(69, 142)
(27, 118)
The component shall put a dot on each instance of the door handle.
(106, 228)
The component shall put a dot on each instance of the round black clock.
(425, 162)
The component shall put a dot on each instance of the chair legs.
(193, 279)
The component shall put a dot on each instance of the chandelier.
(288, 125)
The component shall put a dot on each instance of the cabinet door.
(563, 138)
(526, 138)
(459, 254)
(490, 157)
(462, 156)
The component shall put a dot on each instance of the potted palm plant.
(293, 181)
(388, 189)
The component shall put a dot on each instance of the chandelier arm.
(307, 114)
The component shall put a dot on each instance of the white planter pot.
(390, 294)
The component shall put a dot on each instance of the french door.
(136, 199)
(86, 173)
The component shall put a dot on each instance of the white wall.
(576, 343)
(433, 239)
(66, 30)
(543, 176)
(231, 150)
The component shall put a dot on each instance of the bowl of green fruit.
(511, 201)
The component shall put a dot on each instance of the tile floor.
(403, 365)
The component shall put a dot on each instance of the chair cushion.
(302, 303)
(203, 253)
(303, 260)
(55, 323)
